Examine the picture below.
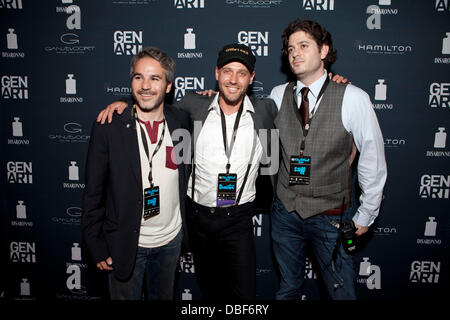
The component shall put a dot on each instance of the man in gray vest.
(319, 123)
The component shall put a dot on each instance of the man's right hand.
(105, 265)
(108, 112)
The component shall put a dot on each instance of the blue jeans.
(158, 265)
(290, 235)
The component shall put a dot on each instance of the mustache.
(145, 91)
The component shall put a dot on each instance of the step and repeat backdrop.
(62, 61)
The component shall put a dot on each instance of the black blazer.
(113, 190)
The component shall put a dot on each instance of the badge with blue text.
(299, 170)
(151, 202)
(226, 189)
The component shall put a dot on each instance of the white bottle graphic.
(76, 252)
(11, 39)
(187, 295)
(380, 90)
(189, 39)
(446, 44)
(430, 227)
(440, 138)
(21, 210)
(364, 267)
(24, 288)
(384, 2)
(73, 171)
(71, 85)
(17, 128)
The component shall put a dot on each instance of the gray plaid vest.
(328, 144)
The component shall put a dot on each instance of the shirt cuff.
(363, 220)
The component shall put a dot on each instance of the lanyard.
(308, 123)
(229, 149)
(158, 146)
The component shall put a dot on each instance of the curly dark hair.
(317, 32)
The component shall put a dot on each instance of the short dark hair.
(152, 52)
(317, 32)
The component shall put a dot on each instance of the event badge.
(151, 202)
(299, 171)
(226, 189)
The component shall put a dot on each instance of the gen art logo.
(189, 4)
(14, 87)
(439, 95)
(425, 272)
(127, 42)
(258, 41)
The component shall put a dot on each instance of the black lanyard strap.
(229, 149)
(158, 146)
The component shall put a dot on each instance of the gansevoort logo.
(254, 3)
(69, 38)
(72, 217)
(69, 43)
(72, 133)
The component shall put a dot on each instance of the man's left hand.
(360, 230)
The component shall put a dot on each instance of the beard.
(148, 105)
(232, 100)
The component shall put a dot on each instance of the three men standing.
(321, 125)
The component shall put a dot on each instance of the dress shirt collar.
(248, 106)
(315, 87)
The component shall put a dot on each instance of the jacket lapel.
(131, 146)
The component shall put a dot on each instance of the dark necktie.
(304, 106)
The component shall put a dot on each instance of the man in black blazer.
(134, 201)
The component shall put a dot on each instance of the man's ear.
(169, 87)
(252, 76)
(324, 51)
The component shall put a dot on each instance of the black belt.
(219, 210)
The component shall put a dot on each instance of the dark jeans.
(223, 247)
(290, 235)
(158, 265)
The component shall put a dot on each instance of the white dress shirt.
(359, 119)
(210, 157)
